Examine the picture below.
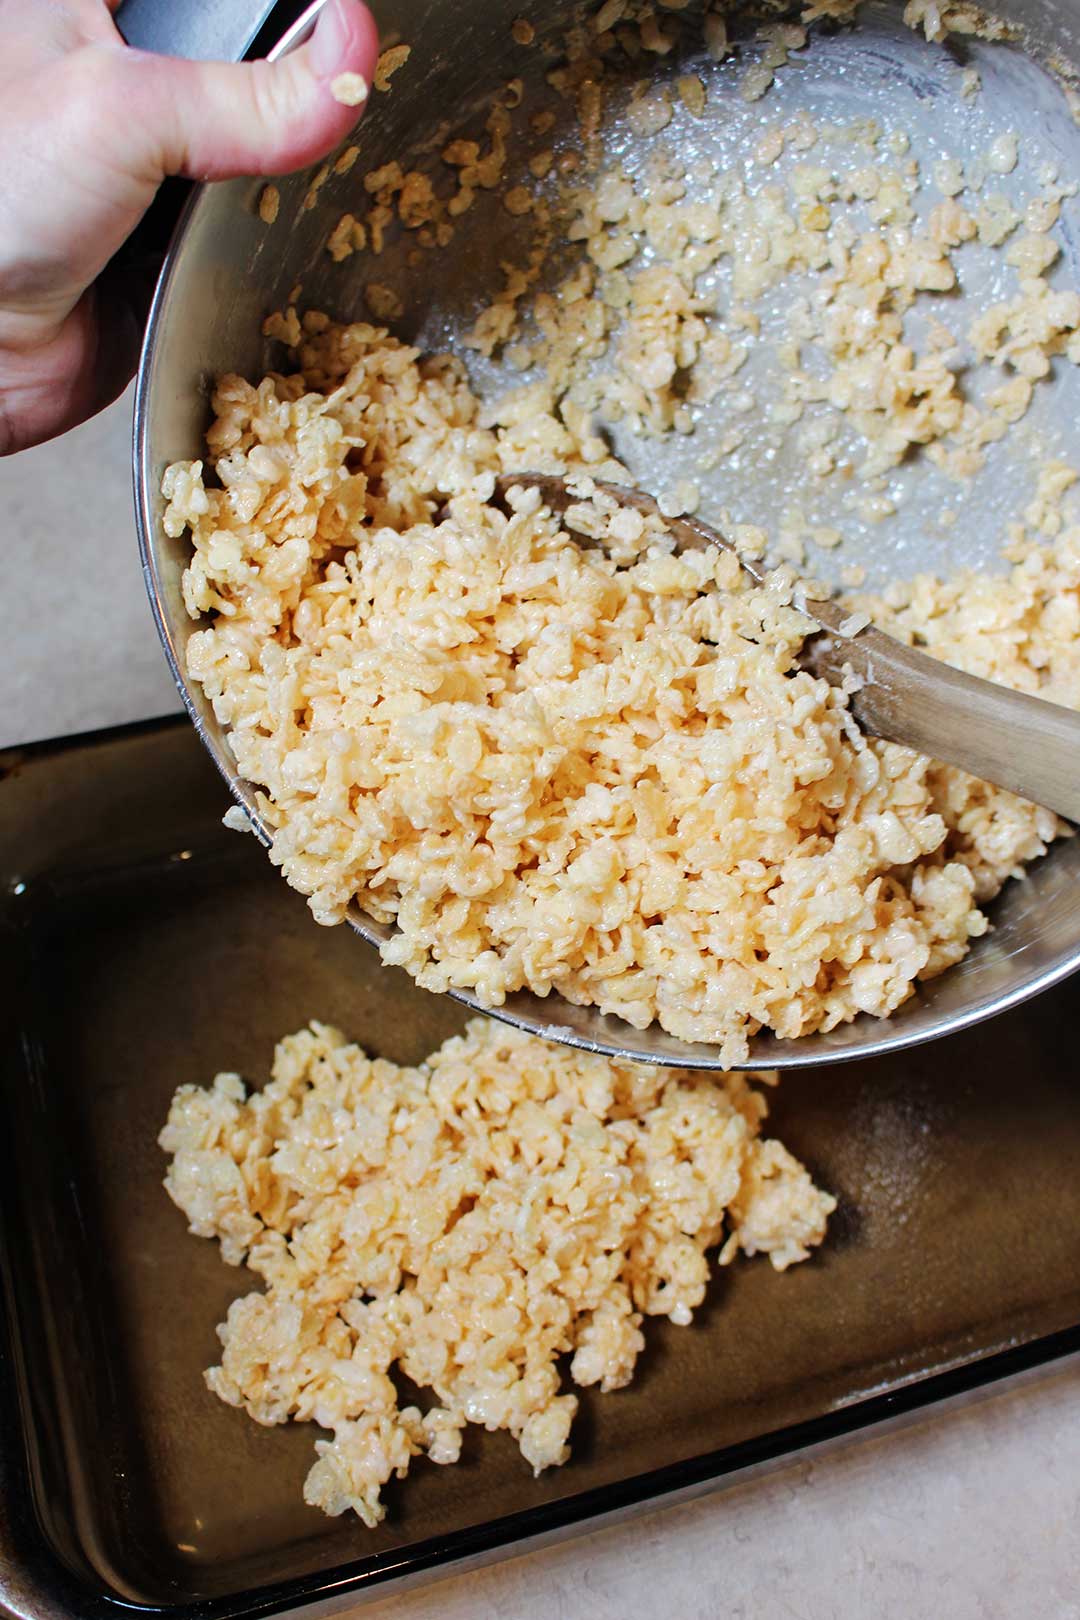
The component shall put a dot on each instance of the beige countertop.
(966, 1514)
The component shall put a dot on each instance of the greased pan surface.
(146, 947)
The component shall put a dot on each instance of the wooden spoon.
(1013, 740)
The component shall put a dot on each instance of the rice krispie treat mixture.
(467, 1223)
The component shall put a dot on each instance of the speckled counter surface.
(964, 1514)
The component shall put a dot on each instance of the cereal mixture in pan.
(467, 1223)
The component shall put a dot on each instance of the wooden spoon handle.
(1009, 738)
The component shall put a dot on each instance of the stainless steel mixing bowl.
(226, 269)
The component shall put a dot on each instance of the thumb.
(213, 121)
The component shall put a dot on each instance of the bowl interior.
(227, 270)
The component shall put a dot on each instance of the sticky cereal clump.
(351, 89)
(468, 1223)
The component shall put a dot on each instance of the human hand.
(88, 130)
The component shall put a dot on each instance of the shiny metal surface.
(227, 269)
(210, 31)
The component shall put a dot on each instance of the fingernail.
(331, 39)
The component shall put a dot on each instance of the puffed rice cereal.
(467, 1222)
(594, 771)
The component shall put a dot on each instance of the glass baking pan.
(143, 946)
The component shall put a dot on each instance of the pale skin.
(88, 130)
